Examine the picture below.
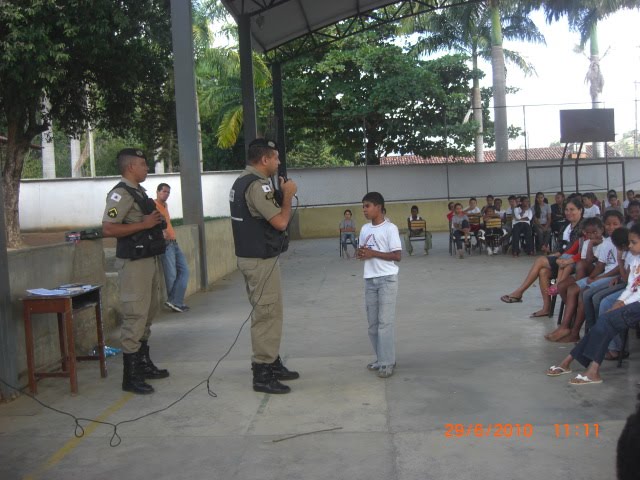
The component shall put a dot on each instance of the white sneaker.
(173, 307)
(489, 251)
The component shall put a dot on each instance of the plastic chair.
(350, 240)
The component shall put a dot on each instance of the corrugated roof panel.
(281, 21)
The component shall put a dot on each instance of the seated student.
(348, 233)
(460, 228)
(508, 213)
(450, 213)
(633, 213)
(582, 260)
(416, 233)
(492, 231)
(541, 223)
(625, 313)
(497, 207)
(546, 267)
(614, 204)
(606, 199)
(605, 269)
(593, 297)
(631, 196)
(597, 202)
(522, 216)
(590, 208)
(473, 208)
(490, 203)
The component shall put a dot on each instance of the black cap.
(131, 152)
(263, 142)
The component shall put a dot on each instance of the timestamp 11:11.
(566, 430)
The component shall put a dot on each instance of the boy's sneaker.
(373, 366)
(489, 251)
(175, 308)
(385, 371)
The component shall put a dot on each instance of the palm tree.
(218, 74)
(583, 17)
(477, 30)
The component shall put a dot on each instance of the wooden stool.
(64, 306)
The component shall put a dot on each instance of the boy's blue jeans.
(380, 295)
(176, 273)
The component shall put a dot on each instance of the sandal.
(583, 380)
(510, 299)
(554, 371)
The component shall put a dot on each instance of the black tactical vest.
(253, 237)
(146, 243)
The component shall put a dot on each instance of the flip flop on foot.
(583, 380)
(554, 371)
(510, 299)
(539, 314)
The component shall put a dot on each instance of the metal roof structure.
(285, 28)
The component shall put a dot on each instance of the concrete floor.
(464, 357)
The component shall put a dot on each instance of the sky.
(561, 73)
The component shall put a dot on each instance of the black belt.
(171, 241)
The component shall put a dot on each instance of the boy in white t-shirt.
(380, 248)
(590, 208)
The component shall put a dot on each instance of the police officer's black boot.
(146, 368)
(281, 372)
(132, 381)
(264, 379)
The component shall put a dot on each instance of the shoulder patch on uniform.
(115, 197)
(266, 188)
(112, 213)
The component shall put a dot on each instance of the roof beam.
(361, 22)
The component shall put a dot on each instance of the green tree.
(314, 154)
(468, 29)
(108, 70)
(365, 88)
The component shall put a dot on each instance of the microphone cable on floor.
(116, 439)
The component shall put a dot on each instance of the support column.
(187, 121)
(278, 106)
(48, 150)
(250, 124)
(74, 150)
(8, 337)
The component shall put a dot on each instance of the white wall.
(79, 203)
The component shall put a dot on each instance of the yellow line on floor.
(71, 445)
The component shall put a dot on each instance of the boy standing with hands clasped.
(380, 248)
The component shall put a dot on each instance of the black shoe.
(146, 368)
(132, 381)
(265, 381)
(281, 372)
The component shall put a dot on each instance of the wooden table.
(65, 306)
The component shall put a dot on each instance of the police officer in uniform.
(259, 224)
(130, 216)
